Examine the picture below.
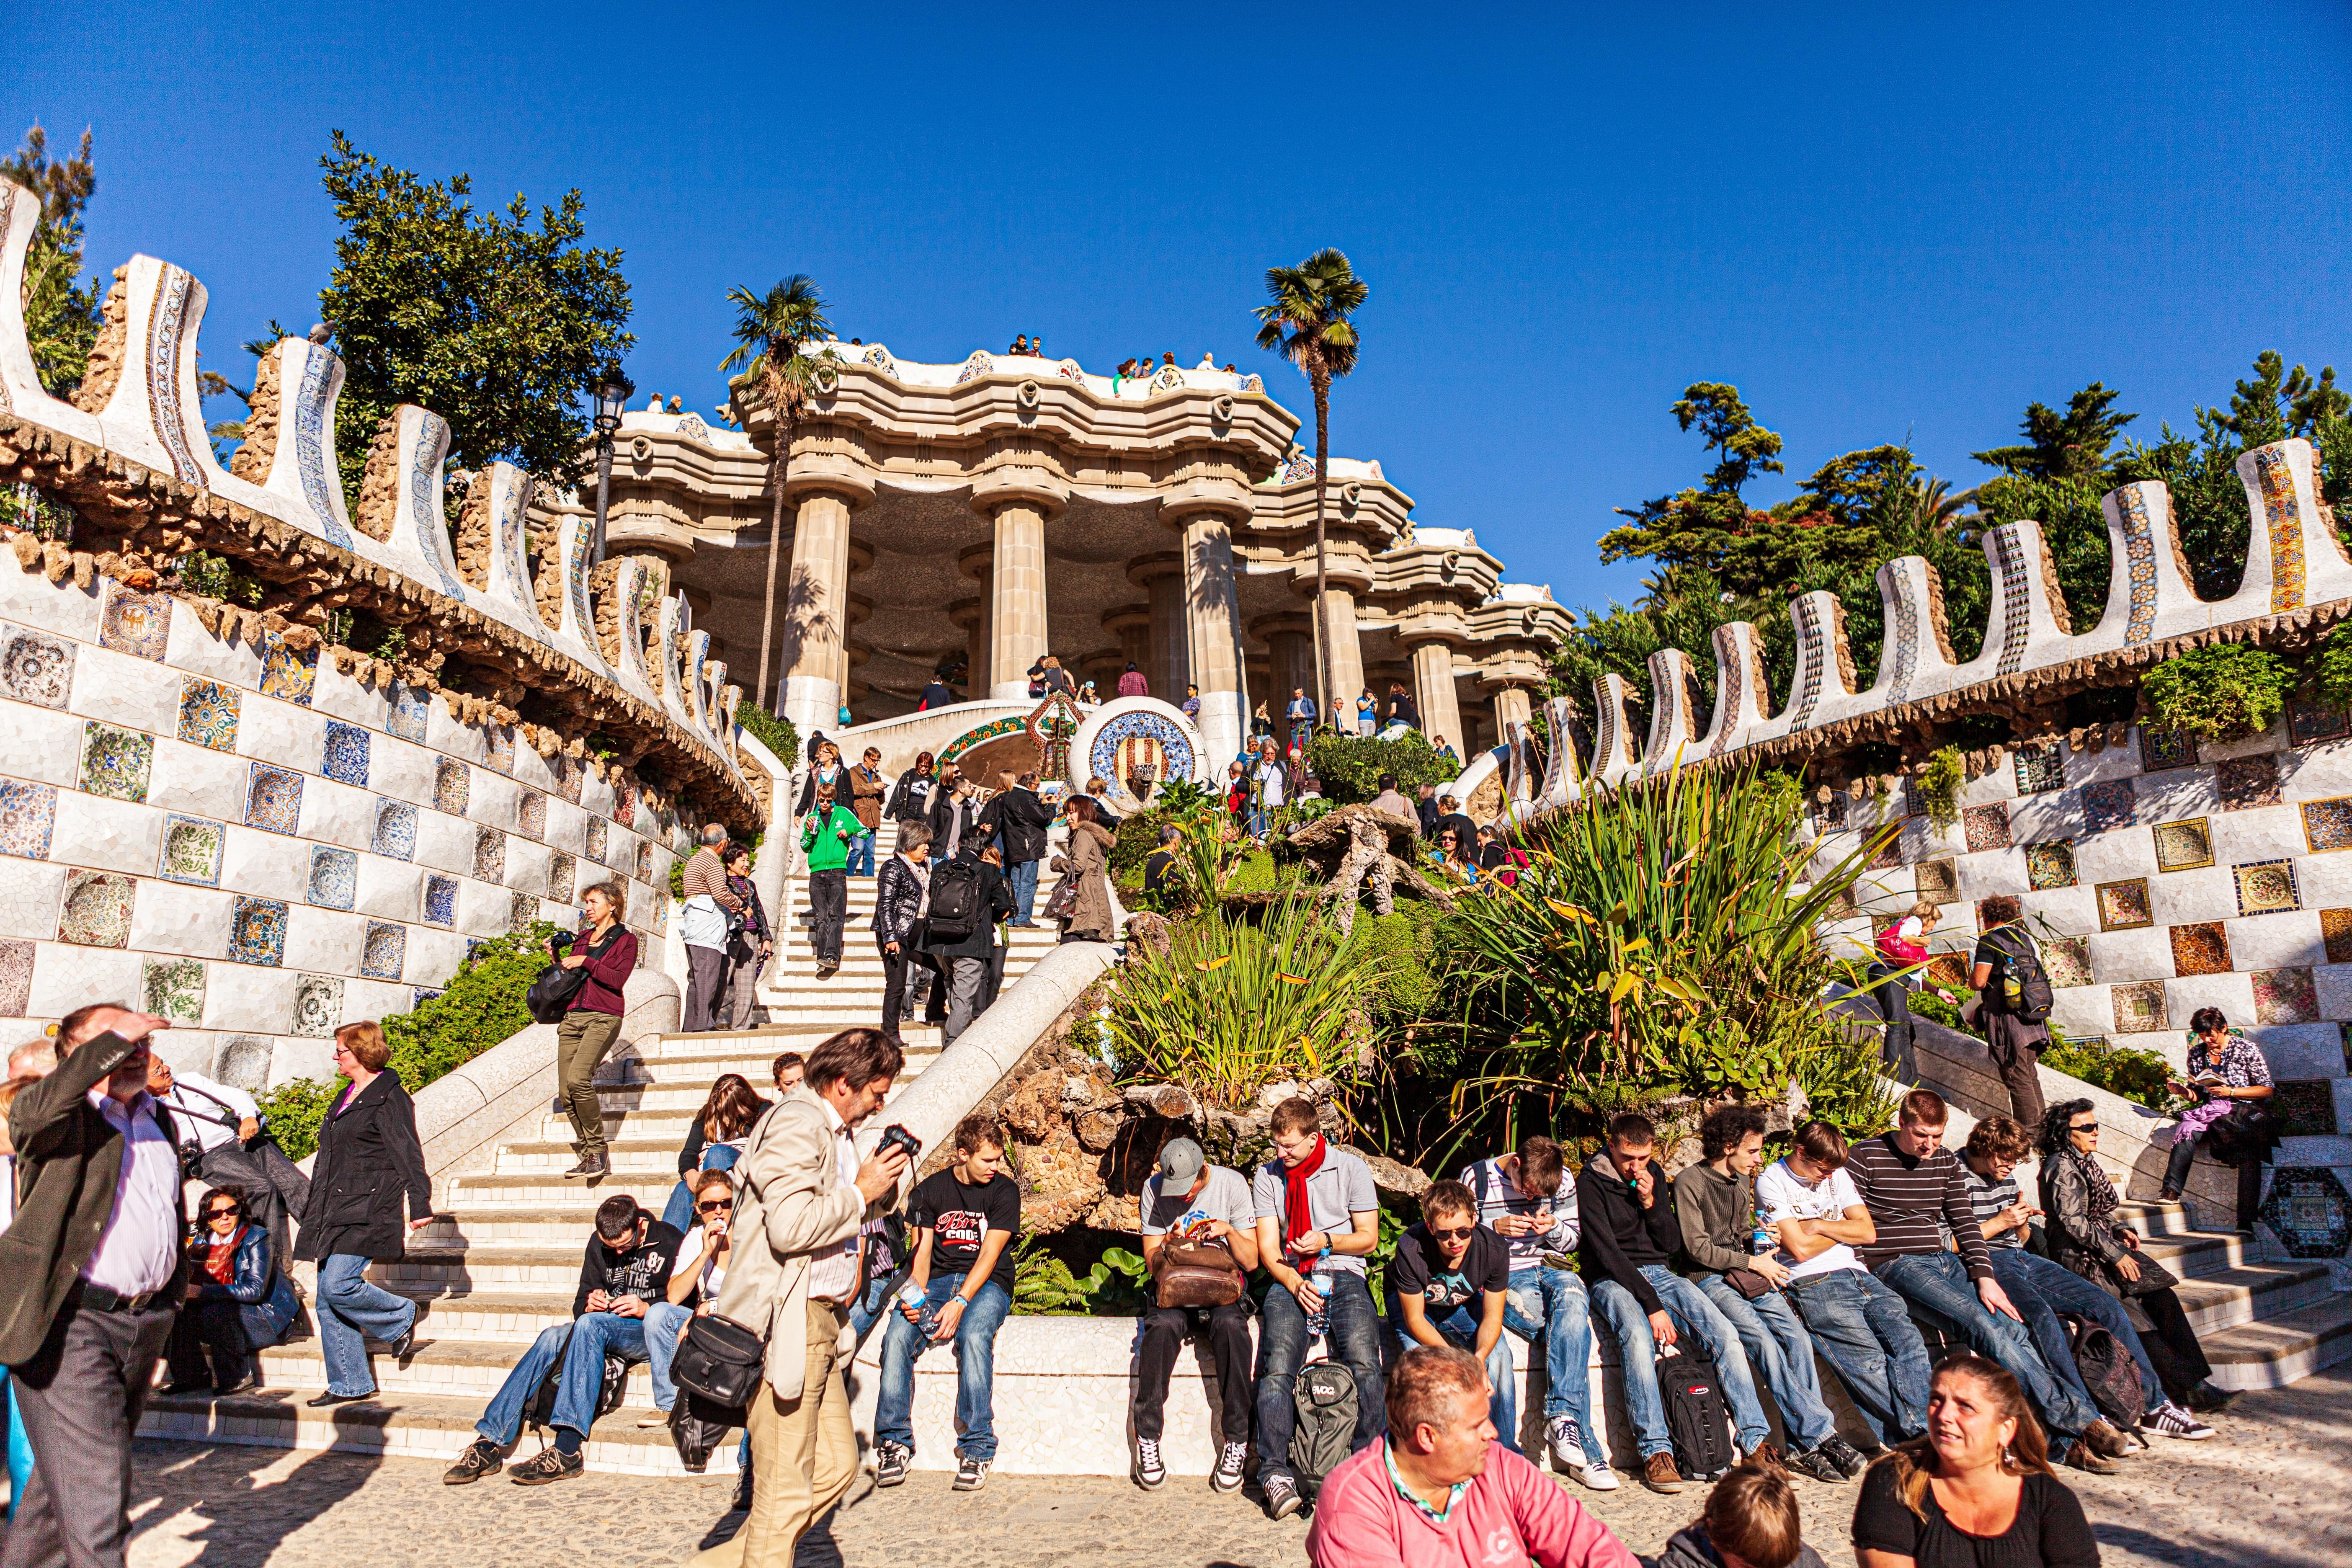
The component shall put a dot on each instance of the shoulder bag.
(1196, 1274)
(720, 1360)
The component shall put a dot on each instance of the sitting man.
(1630, 1232)
(626, 1270)
(959, 1288)
(1191, 1200)
(1862, 1328)
(1715, 1201)
(1439, 1490)
(1909, 1181)
(1449, 1284)
(235, 1148)
(1523, 1198)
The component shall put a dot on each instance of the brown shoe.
(2080, 1458)
(2104, 1440)
(1764, 1453)
(1658, 1474)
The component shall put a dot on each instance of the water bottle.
(1319, 1321)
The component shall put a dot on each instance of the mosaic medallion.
(35, 666)
(2109, 804)
(2068, 960)
(174, 989)
(2161, 749)
(2124, 905)
(136, 624)
(2307, 1210)
(2183, 846)
(2327, 824)
(395, 830)
(562, 877)
(1986, 827)
(344, 758)
(2040, 768)
(192, 851)
(489, 854)
(2202, 948)
(2139, 1007)
(273, 801)
(385, 950)
(115, 761)
(450, 786)
(2284, 996)
(2335, 930)
(15, 977)
(28, 814)
(257, 930)
(2049, 865)
(318, 1006)
(2266, 888)
(441, 900)
(334, 876)
(285, 674)
(2246, 782)
(530, 819)
(97, 910)
(208, 714)
(406, 710)
(1939, 881)
(522, 909)
(2308, 721)
(2305, 1109)
(1997, 911)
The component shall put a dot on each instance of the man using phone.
(1189, 1200)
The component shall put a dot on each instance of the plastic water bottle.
(1320, 1319)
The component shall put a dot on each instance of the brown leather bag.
(1196, 1274)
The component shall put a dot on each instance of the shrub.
(1137, 836)
(1939, 787)
(2136, 1075)
(1349, 766)
(777, 734)
(2223, 692)
(2334, 666)
(295, 1110)
(1402, 947)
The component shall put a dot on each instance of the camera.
(896, 1137)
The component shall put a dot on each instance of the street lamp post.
(611, 390)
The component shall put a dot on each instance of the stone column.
(1017, 623)
(812, 617)
(1167, 663)
(1433, 680)
(1213, 634)
(1512, 706)
(1131, 624)
(1344, 659)
(1290, 648)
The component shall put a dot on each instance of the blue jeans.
(1861, 1326)
(1939, 1282)
(1692, 1314)
(1024, 891)
(678, 1212)
(1354, 1331)
(861, 856)
(2041, 1289)
(1779, 1347)
(349, 1307)
(870, 1305)
(903, 1344)
(1551, 1302)
(1459, 1329)
(665, 1320)
(591, 1336)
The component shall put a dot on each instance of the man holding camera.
(1190, 1202)
(222, 1143)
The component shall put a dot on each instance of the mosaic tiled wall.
(258, 847)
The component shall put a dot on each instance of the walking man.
(867, 788)
(1022, 819)
(702, 926)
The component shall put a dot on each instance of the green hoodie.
(825, 851)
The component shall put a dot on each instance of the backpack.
(539, 1410)
(2025, 993)
(2108, 1371)
(1325, 1395)
(1696, 1416)
(955, 899)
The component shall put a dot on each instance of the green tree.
(1308, 323)
(495, 323)
(2056, 477)
(62, 309)
(769, 329)
(2073, 445)
(1708, 525)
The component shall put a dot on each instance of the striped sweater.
(1907, 1196)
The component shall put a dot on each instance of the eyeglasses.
(1462, 1234)
(2090, 1127)
(714, 1206)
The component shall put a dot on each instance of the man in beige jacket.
(802, 1196)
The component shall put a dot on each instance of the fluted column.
(1511, 707)
(1213, 633)
(1166, 662)
(814, 614)
(1131, 624)
(1016, 595)
(1344, 659)
(1433, 680)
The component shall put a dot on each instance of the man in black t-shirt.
(959, 1287)
(1448, 1284)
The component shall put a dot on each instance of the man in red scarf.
(1317, 1221)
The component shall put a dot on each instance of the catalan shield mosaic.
(2335, 930)
(2068, 960)
(273, 799)
(395, 830)
(115, 761)
(2327, 824)
(2107, 803)
(2139, 1007)
(15, 977)
(489, 854)
(96, 911)
(334, 876)
(2200, 949)
(1986, 827)
(2305, 1109)
(451, 786)
(287, 674)
(2000, 909)
(2049, 865)
(2266, 888)
(2160, 748)
(2284, 996)
(2244, 782)
(35, 666)
(136, 624)
(562, 875)
(406, 713)
(1937, 880)
(530, 817)
(441, 900)
(192, 851)
(208, 714)
(2307, 1210)
(2040, 768)
(384, 950)
(2309, 720)
(257, 931)
(344, 757)
(318, 1005)
(174, 989)
(2183, 846)
(2124, 905)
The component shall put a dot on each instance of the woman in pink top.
(1439, 1491)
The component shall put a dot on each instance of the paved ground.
(2269, 1494)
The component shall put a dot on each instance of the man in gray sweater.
(1716, 1203)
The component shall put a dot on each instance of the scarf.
(2101, 1193)
(1295, 1220)
(220, 1257)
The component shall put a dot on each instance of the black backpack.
(539, 1410)
(1696, 1416)
(1325, 1395)
(2025, 993)
(2108, 1371)
(955, 899)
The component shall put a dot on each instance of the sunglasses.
(1465, 1234)
(2082, 1127)
(211, 1215)
(715, 1207)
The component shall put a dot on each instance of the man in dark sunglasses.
(1448, 1285)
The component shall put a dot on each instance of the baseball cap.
(1180, 1162)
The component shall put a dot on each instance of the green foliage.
(1306, 319)
(1404, 948)
(777, 734)
(676, 877)
(495, 323)
(1931, 1007)
(62, 309)
(769, 331)
(296, 1110)
(1181, 798)
(1376, 1268)
(32, 510)
(2221, 692)
(2334, 666)
(1136, 837)
(1940, 779)
(217, 578)
(1044, 1285)
(1349, 766)
(2136, 1075)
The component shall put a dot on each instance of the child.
(1751, 1521)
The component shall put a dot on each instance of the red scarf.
(220, 1257)
(1295, 1220)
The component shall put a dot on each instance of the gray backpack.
(1325, 1434)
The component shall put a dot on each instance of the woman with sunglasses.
(240, 1301)
(693, 1283)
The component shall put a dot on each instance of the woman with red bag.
(1901, 946)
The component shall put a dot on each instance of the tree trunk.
(775, 545)
(1320, 380)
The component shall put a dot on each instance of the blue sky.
(1880, 222)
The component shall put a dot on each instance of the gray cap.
(1179, 1162)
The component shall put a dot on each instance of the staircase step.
(2232, 1298)
(2277, 1350)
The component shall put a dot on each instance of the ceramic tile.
(1950, 884)
(489, 854)
(2308, 1211)
(273, 801)
(285, 674)
(2266, 888)
(208, 714)
(174, 989)
(661, 923)
(28, 813)
(530, 819)
(96, 911)
(1996, 911)
(345, 757)
(499, 748)
(2139, 1007)
(35, 666)
(562, 878)
(395, 829)
(2161, 749)
(2068, 960)
(2246, 782)
(2284, 996)
(242, 1061)
(1987, 826)
(596, 832)
(625, 805)
(1842, 905)
(1829, 816)
(2305, 1109)
(2049, 865)
(2327, 824)
(2183, 846)
(385, 950)
(334, 876)
(116, 762)
(318, 1006)
(441, 900)
(2124, 905)
(2308, 721)
(2040, 768)
(569, 776)
(2109, 804)
(192, 850)
(407, 715)
(522, 909)
(136, 624)
(1914, 803)
(2335, 930)
(1889, 854)
(419, 996)
(15, 977)
(2202, 948)
(257, 931)
(450, 786)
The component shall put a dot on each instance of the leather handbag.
(720, 1360)
(1196, 1274)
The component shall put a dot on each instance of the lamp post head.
(610, 392)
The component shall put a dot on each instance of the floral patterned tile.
(334, 876)
(2049, 865)
(2139, 1007)
(2124, 905)
(136, 624)
(2201, 949)
(192, 851)
(273, 801)
(2184, 846)
(596, 839)
(406, 717)
(2285, 996)
(530, 820)
(562, 878)
(257, 931)
(2068, 960)
(15, 977)
(344, 758)
(441, 900)
(287, 674)
(489, 854)
(2244, 782)
(625, 805)
(2107, 804)
(2308, 721)
(522, 909)
(1987, 826)
(2327, 824)
(2335, 930)
(2266, 888)
(2040, 768)
(115, 761)
(174, 989)
(450, 786)
(35, 666)
(208, 714)
(499, 748)
(96, 911)
(385, 950)
(395, 830)
(28, 814)
(2161, 749)
(2305, 1110)
(318, 1006)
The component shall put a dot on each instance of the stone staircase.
(505, 1261)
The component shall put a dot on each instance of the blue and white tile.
(265, 865)
(407, 714)
(123, 690)
(273, 798)
(29, 895)
(324, 942)
(334, 876)
(196, 781)
(439, 903)
(112, 834)
(395, 830)
(389, 890)
(65, 976)
(338, 813)
(384, 951)
(174, 918)
(282, 734)
(345, 755)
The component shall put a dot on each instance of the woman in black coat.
(911, 800)
(369, 1157)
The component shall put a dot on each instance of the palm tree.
(1307, 324)
(769, 329)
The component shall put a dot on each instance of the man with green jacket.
(826, 837)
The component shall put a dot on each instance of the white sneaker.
(1600, 1477)
(2175, 1422)
(1149, 1472)
(1567, 1443)
(1228, 1476)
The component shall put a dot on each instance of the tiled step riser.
(482, 1197)
(2210, 1311)
(447, 1319)
(558, 1276)
(475, 1379)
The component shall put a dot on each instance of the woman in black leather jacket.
(242, 1304)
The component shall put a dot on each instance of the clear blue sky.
(1876, 223)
